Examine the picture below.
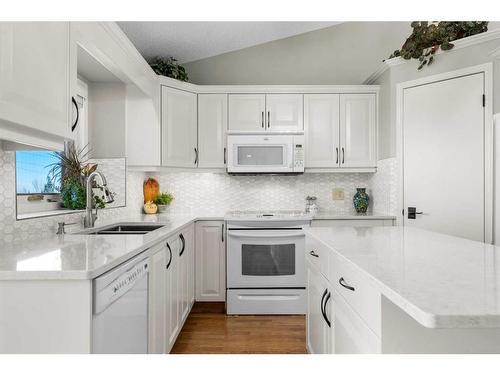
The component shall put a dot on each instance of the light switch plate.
(338, 194)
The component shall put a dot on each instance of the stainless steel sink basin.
(125, 228)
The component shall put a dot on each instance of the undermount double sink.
(124, 228)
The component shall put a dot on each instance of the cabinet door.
(317, 330)
(190, 255)
(34, 72)
(358, 126)
(212, 125)
(157, 302)
(247, 112)
(183, 278)
(322, 121)
(210, 261)
(172, 292)
(178, 125)
(285, 112)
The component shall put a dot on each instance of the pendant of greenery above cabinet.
(169, 67)
(361, 200)
(428, 37)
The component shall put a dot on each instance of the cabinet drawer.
(357, 290)
(319, 255)
(350, 334)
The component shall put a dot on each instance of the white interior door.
(443, 156)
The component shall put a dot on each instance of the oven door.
(265, 258)
(260, 154)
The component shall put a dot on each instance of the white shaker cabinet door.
(212, 126)
(157, 301)
(179, 128)
(284, 112)
(172, 292)
(358, 128)
(247, 112)
(210, 261)
(321, 117)
(34, 84)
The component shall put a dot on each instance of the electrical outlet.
(338, 194)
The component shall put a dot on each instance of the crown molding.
(376, 74)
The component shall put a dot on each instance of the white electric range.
(266, 262)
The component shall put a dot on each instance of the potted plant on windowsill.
(163, 200)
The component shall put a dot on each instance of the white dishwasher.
(120, 313)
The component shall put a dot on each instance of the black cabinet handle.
(73, 127)
(222, 234)
(321, 303)
(225, 162)
(268, 119)
(412, 213)
(324, 310)
(183, 244)
(262, 119)
(196, 156)
(170, 251)
(313, 254)
(337, 153)
(342, 282)
(343, 155)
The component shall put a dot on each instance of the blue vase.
(361, 200)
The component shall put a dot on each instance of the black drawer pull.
(324, 310)
(342, 282)
(170, 251)
(313, 254)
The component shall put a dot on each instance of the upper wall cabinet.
(340, 131)
(212, 125)
(322, 124)
(259, 112)
(34, 59)
(178, 128)
(358, 130)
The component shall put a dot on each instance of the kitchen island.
(402, 290)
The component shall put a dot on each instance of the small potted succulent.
(163, 200)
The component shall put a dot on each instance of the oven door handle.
(260, 235)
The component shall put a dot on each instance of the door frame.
(487, 70)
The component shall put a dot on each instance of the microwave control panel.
(298, 157)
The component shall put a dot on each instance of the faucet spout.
(91, 217)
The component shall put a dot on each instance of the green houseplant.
(427, 37)
(169, 67)
(163, 200)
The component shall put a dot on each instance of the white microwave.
(265, 153)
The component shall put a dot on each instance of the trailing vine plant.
(428, 37)
(169, 67)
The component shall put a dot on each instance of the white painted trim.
(487, 69)
(376, 74)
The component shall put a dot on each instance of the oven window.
(268, 260)
(260, 155)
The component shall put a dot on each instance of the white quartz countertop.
(441, 281)
(332, 215)
(76, 256)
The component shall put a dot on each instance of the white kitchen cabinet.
(157, 300)
(318, 331)
(186, 269)
(179, 128)
(358, 130)
(172, 295)
(210, 261)
(212, 127)
(34, 82)
(322, 130)
(271, 112)
(247, 112)
(284, 112)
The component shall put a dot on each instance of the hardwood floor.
(209, 330)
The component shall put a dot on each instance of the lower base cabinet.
(171, 289)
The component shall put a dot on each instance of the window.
(33, 172)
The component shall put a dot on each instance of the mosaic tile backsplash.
(213, 194)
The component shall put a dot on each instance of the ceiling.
(190, 41)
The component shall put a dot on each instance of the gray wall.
(347, 53)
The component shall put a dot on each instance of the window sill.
(32, 215)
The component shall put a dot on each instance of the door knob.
(412, 213)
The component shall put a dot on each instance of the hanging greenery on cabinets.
(169, 67)
(428, 37)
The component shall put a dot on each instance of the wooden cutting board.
(151, 189)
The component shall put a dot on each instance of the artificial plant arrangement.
(428, 37)
(169, 67)
(72, 170)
